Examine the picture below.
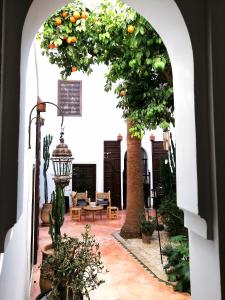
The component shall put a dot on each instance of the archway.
(166, 19)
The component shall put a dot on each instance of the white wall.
(15, 264)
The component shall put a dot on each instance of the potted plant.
(147, 227)
(74, 266)
(56, 219)
(46, 208)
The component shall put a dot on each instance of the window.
(69, 97)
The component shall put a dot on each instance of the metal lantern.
(62, 164)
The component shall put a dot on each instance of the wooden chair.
(75, 213)
(103, 199)
(79, 199)
(112, 212)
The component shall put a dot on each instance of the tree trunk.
(135, 195)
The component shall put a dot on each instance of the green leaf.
(142, 30)
(132, 63)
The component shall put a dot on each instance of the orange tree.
(75, 38)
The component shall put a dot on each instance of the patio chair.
(79, 199)
(103, 199)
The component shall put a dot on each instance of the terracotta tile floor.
(127, 279)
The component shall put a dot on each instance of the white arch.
(166, 18)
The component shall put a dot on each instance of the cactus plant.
(56, 216)
(47, 140)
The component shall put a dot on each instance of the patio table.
(93, 209)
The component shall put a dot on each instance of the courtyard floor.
(129, 278)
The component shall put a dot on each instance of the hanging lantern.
(62, 163)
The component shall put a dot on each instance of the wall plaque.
(69, 97)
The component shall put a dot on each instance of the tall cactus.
(56, 215)
(47, 140)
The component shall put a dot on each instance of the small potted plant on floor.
(147, 227)
(47, 206)
(75, 266)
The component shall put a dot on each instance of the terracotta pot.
(146, 238)
(41, 107)
(46, 209)
(43, 296)
(46, 283)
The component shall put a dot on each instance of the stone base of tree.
(128, 232)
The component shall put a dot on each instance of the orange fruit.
(122, 93)
(58, 21)
(64, 14)
(84, 15)
(51, 46)
(130, 29)
(76, 15)
(72, 19)
(69, 40)
(64, 37)
(74, 69)
(73, 39)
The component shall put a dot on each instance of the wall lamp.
(62, 155)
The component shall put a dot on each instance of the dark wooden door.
(146, 175)
(157, 153)
(112, 171)
(84, 178)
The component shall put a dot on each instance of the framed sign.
(70, 97)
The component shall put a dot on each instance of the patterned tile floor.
(127, 279)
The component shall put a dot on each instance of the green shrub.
(147, 226)
(177, 267)
(74, 267)
(172, 216)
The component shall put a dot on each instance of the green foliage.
(173, 217)
(137, 59)
(147, 225)
(56, 216)
(47, 140)
(74, 266)
(177, 267)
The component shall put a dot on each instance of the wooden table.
(93, 209)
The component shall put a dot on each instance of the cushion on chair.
(81, 202)
(102, 202)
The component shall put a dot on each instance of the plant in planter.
(57, 214)
(172, 216)
(147, 227)
(177, 267)
(75, 266)
(47, 140)
(56, 219)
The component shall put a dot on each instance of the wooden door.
(146, 175)
(112, 171)
(84, 178)
(157, 153)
